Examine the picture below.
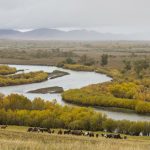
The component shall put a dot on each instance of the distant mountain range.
(54, 34)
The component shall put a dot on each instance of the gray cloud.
(103, 15)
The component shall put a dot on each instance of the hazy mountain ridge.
(55, 34)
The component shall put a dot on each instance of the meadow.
(15, 138)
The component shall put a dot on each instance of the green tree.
(38, 104)
(104, 59)
(69, 60)
(15, 101)
(83, 59)
(109, 125)
(140, 65)
(127, 65)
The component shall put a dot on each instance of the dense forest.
(19, 110)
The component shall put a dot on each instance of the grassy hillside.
(16, 138)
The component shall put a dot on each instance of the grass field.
(16, 138)
(53, 52)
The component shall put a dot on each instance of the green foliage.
(85, 60)
(15, 101)
(69, 60)
(38, 104)
(104, 59)
(140, 65)
(109, 125)
(127, 64)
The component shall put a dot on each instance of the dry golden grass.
(16, 138)
(21, 52)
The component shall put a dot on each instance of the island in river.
(56, 74)
(54, 89)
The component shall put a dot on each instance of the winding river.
(75, 79)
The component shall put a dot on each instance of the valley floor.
(17, 138)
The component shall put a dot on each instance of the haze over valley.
(78, 34)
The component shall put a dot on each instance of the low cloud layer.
(122, 16)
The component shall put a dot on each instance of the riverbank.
(101, 95)
(6, 70)
(113, 73)
(101, 108)
(24, 78)
(8, 76)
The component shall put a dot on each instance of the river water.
(74, 80)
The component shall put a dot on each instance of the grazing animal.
(102, 135)
(109, 136)
(43, 130)
(77, 132)
(53, 131)
(4, 126)
(117, 136)
(125, 137)
(67, 132)
(91, 134)
(60, 132)
(30, 129)
(49, 131)
(86, 133)
(38, 129)
(97, 135)
(35, 129)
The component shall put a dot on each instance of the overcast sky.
(119, 16)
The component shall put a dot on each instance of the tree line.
(18, 110)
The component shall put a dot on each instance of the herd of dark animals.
(75, 132)
(71, 132)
